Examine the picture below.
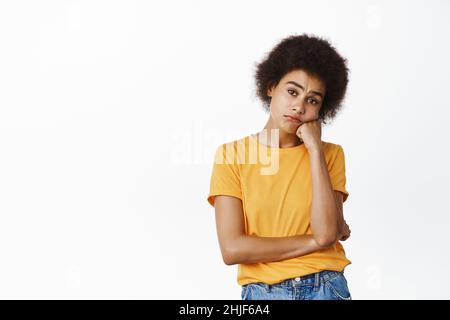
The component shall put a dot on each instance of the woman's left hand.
(345, 234)
(311, 133)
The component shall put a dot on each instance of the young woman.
(278, 194)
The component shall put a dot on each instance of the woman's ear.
(270, 91)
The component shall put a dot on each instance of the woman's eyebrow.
(296, 84)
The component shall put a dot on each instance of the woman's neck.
(277, 138)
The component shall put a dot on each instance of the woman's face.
(299, 95)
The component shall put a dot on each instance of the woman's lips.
(293, 119)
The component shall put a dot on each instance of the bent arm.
(327, 219)
(239, 248)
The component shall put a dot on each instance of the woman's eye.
(313, 101)
(292, 91)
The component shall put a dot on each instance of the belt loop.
(316, 281)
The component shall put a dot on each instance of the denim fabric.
(323, 285)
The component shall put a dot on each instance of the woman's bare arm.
(239, 248)
(327, 219)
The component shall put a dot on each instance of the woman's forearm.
(254, 249)
(326, 217)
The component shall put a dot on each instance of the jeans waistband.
(315, 279)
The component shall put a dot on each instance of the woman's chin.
(290, 129)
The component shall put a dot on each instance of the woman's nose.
(299, 108)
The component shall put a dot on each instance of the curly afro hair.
(315, 56)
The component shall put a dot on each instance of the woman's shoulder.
(233, 149)
(332, 149)
(331, 145)
(234, 143)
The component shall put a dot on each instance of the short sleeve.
(225, 177)
(337, 173)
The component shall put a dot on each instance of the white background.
(110, 112)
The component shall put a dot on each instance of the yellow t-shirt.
(275, 187)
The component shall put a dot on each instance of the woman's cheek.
(310, 117)
(313, 115)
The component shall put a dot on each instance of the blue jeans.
(323, 285)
